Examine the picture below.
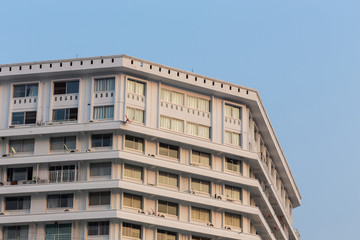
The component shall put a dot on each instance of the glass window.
(100, 169)
(197, 130)
(66, 87)
(134, 143)
(131, 171)
(135, 87)
(200, 214)
(131, 230)
(201, 158)
(104, 84)
(99, 198)
(104, 112)
(16, 232)
(23, 118)
(168, 150)
(98, 228)
(233, 165)
(199, 185)
(232, 138)
(198, 103)
(233, 220)
(58, 231)
(232, 192)
(168, 208)
(233, 112)
(133, 201)
(63, 143)
(17, 203)
(26, 90)
(65, 114)
(171, 96)
(166, 235)
(60, 201)
(22, 146)
(134, 114)
(102, 140)
(168, 179)
(19, 174)
(171, 124)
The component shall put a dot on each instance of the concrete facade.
(117, 147)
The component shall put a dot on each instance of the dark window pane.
(72, 87)
(96, 140)
(107, 140)
(19, 91)
(31, 90)
(73, 114)
(17, 118)
(59, 114)
(59, 88)
(30, 117)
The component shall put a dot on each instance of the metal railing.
(58, 176)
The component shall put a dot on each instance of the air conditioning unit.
(228, 228)
(210, 224)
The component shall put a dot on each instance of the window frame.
(66, 87)
(169, 146)
(26, 120)
(201, 183)
(99, 229)
(101, 167)
(125, 195)
(131, 226)
(62, 196)
(21, 203)
(200, 155)
(163, 202)
(136, 86)
(168, 176)
(133, 168)
(136, 141)
(201, 210)
(104, 107)
(99, 195)
(26, 93)
(232, 215)
(102, 79)
(102, 140)
(231, 170)
(68, 115)
(22, 151)
(65, 141)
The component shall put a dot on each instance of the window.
(199, 238)
(171, 96)
(232, 138)
(198, 103)
(99, 198)
(104, 112)
(133, 201)
(65, 114)
(131, 230)
(18, 174)
(200, 214)
(66, 87)
(100, 169)
(22, 146)
(199, 185)
(60, 200)
(168, 150)
(98, 228)
(63, 143)
(171, 124)
(168, 208)
(135, 87)
(104, 84)
(197, 130)
(233, 112)
(233, 220)
(233, 165)
(168, 179)
(131, 171)
(23, 118)
(166, 235)
(16, 232)
(58, 231)
(26, 90)
(201, 158)
(102, 140)
(134, 143)
(136, 115)
(17, 203)
(232, 192)
(62, 173)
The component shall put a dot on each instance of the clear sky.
(302, 56)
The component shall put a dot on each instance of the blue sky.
(302, 56)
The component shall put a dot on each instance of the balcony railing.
(59, 176)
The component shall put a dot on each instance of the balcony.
(65, 100)
(63, 176)
(28, 103)
(103, 98)
(135, 100)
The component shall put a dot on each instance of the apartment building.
(117, 147)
